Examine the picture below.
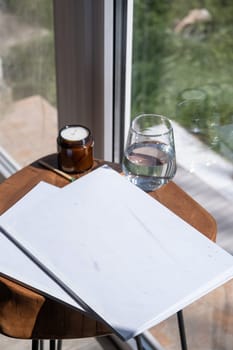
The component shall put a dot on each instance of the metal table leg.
(139, 342)
(180, 320)
(55, 344)
(59, 344)
(52, 344)
(35, 344)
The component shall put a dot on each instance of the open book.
(113, 251)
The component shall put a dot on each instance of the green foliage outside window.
(29, 67)
(36, 12)
(166, 63)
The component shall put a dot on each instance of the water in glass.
(149, 162)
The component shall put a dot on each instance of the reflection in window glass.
(182, 68)
(28, 119)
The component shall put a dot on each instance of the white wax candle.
(74, 133)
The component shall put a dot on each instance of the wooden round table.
(29, 315)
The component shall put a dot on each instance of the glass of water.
(149, 159)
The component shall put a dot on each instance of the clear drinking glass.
(149, 159)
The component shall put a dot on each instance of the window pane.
(184, 54)
(28, 122)
(182, 68)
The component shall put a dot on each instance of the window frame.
(84, 68)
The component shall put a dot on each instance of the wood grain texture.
(180, 203)
(26, 314)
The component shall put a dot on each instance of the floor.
(208, 322)
(82, 344)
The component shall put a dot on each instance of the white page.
(15, 264)
(121, 252)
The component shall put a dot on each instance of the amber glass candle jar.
(75, 148)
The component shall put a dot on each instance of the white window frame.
(123, 23)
